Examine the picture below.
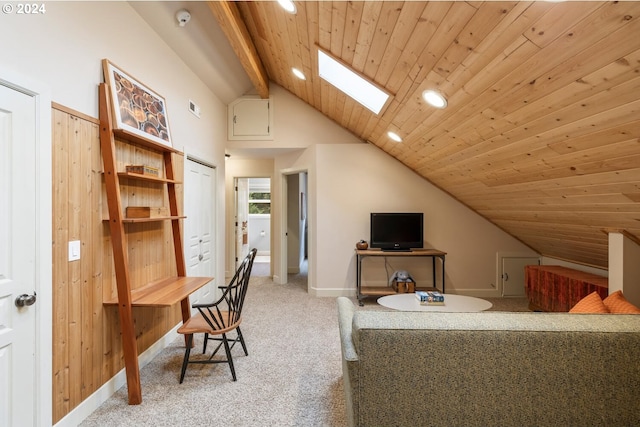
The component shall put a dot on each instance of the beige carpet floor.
(292, 376)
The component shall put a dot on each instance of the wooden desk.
(365, 291)
(164, 292)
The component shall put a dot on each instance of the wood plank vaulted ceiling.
(541, 134)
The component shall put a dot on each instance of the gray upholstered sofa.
(489, 368)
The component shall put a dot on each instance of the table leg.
(358, 278)
(443, 275)
(433, 271)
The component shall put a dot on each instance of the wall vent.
(195, 110)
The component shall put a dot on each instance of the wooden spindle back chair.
(217, 319)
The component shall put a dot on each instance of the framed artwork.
(136, 108)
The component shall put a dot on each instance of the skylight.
(351, 83)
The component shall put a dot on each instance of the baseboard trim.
(93, 402)
(479, 293)
(332, 292)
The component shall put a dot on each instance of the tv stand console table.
(364, 291)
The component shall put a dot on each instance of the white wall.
(347, 180)
(260, 233)
(64, 47)
(354, 180)
(297, 129)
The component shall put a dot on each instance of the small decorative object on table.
(403, 286)
(430, 297)
(142, 170)
(362, 245)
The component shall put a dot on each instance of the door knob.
(200, 257)
(506, 277)
(26, 300)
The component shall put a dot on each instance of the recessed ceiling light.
(394, 136)
(299, 74)
(434, 99)
(351, 83)
(288, 5)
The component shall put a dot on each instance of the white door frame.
(283, 221)
(43, 273)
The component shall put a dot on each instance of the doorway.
(253, 222)
(297, 228)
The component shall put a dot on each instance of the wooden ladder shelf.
(166, 291)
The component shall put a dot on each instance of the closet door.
(199, 205)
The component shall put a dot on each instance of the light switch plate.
(74, 250)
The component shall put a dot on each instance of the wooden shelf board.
(159, 218)
(413, 252)
(149, 178)
(135, 139)
(377, 290)
(164, 292)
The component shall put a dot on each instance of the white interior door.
(17, 258)
(513, 275)
(199, 182)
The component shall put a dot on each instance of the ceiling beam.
(234, 28)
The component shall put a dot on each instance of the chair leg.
(229, 358)
(187, 351)
(241, 339)
(206, 340)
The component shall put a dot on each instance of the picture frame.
(136, 108)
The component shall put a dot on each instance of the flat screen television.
(399, 231)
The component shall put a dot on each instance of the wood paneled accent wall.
(87, 349)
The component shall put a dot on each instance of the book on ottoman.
(430, 297)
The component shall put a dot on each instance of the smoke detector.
(183, 16)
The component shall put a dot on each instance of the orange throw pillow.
(592, 303)
(618, 304)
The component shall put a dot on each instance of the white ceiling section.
(200, 43)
